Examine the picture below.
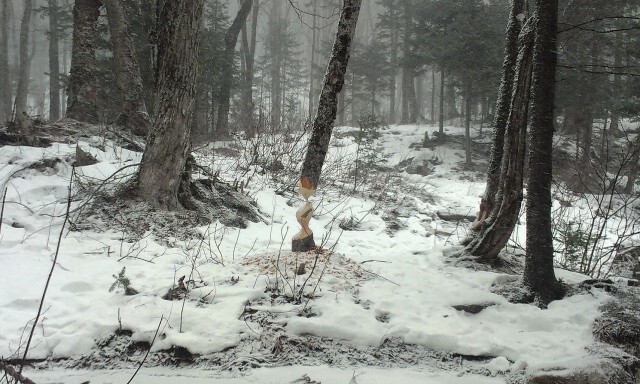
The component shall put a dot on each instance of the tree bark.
(54, 63)
(539, 274)
(162, 171)
(128, 80)
(5, 85)
(312, 85)
(441, 106)
(495, 231)
(503, 106)
(467, 123)
(83, 77)
(275, 48)
(226, 79)
(249, 60)
(22, 91)
(325, 118)
(392, 77)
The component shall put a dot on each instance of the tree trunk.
(325, 117)
(54, 63)
(503, 106)
(451, 111)
(226, 78)
(312, 85)
(495, 231)
(249, 60)
(275, 70)
(83, 77)
(467, 123)
(392, 77)
(432, 114)
(22, 91)
(539, 275)
(5, 85)
(162, 171)
(441, 106)
(128, 80)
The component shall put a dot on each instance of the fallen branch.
(12, 373)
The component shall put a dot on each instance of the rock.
(472, 308)
(84, 158)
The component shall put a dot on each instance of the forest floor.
(379, 301)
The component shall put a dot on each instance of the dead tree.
(128, 80)
(323, 122)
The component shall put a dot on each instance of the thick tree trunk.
(539, 275)
(5, 85)
(54, 63)
(163, 164)
(22, 91)
(134, 113)
(226, 78)
(325, 118)
(83, 77)
(495, 231)
(503, 106)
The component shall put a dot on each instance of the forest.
(320, 191)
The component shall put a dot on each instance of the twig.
(53, 266)
(4, 198)
(148, 350)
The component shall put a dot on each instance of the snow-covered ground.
(378, 284)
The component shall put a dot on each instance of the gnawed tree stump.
(323, 122)
(303, 240)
